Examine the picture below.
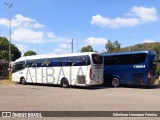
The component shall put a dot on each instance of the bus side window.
(74, 61)
(125, 60)
(34, 64)
(139, 58)
(31, 63)
(111, 60)
(56, 62)
(85, 60)
(64, 61)
(46, 63)
(39, 62)
(71, 61)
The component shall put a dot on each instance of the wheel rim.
(65, 83)
(115, 82)
(23, 81)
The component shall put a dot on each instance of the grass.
(6, 81)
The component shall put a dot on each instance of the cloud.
(28, 35)
(4, 21)
(51, 35)
(136, 16)
(148, 41)
(62, 51)
(21, 21)
(26, 30)
(113, 23)
(145, 14)
(96, 41)
(64, 46)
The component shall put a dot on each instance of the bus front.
(96, 70)
(152, 75)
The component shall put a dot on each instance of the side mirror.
(158, 60)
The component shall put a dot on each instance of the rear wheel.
(115, 82)
(23, 81)
(64, 83)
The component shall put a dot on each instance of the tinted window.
(31, 63)
(39, 62)
(97, 59)
(139, 58)
(46, 62)
(111, 60)
(78, 61)
(18, 66)
(125, 59)
(60, 61)
(85, 60)
(74, 61)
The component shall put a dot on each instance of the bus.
(77, 69)
(130, 68)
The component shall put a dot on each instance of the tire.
(22, 81)
(115, 82)
(64, 83)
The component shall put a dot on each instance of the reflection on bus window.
(97, 59)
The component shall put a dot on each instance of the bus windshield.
(97, 59)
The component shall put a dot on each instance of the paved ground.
(48, 98)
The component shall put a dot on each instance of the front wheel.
(115, 82)
(23, 81)
(64, 83)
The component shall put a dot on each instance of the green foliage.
(4, 50)
(158, 67)
(113, 46)
(29, 53)
(145, 46)
(4, 70)
(88, 48)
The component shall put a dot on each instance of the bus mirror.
(158, 60)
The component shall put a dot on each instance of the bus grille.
(138, 78)
(81, 79)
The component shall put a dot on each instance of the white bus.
(78, 69)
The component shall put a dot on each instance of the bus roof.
(34, 57)
(126, 53)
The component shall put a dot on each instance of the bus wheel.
(115, 82)
(23, 81)
(64, 83)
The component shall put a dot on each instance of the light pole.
(9, 6)
(9, 17)
(72, 46)
(37, 48)
(130, 43)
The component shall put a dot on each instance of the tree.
(117, 46)
(4, 50)
(88, 48)
(29, 53)
(109, 47)
(113, 46)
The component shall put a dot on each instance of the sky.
(48, 26)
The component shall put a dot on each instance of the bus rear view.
(130, 68)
